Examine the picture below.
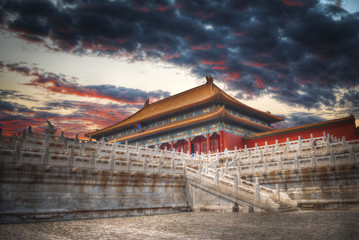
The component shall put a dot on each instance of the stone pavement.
(340, 224)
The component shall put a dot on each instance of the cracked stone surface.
(340, 224)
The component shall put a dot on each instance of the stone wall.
(37, 192)
(327, 187)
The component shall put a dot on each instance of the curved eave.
(218, 113)
(247, 122)
(272, 118)
(130, 123)
(185, 122)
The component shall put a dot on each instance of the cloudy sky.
(87, 64)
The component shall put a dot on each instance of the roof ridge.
(181, 93)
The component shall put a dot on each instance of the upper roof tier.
(199, 95)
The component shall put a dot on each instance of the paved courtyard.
(292, 225)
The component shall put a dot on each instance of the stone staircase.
(239, 192)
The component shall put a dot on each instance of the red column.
(221, 141)
(172, 145)
(189, 146)
(224, 140)
(208, 143)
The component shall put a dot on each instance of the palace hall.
(202, 119)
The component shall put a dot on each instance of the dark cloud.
(298, 51)
(58, 83)
(298, 119)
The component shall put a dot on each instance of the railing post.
(296, 161)
(265, 164)
(314, 159)
(332, 158)
(71, 158)
(93, 163)
(17, 157)
(281, 162)
(299, 151)
(226, 166)
(235, 184)
(328, 146)
(216, 180)
(239, 179)
(112, 161)
(277, 190)
(222, 172)
(352, 155)
(46, 156)
(257, 192)
(276, 145)
(173, 167)
(345, 143)
(145, 165)
(251, 165)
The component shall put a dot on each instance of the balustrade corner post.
(71, 158)
(216, 177)
(145, 166)
(160, 166)
(277, 191)
(222, 172)
(112, 162)
(281, 162)
(129, 162)
(257, 191)
(332, 158)
(265, 164)
(93, 163)
(314, 159)
(235, 184)
(296, 161)
(173, 167)
(46, 156)
(29, 131)
(352, 157)
(47, 139)
(251, 165)
(266, 146)
(239, 178)
(345, 143)
(328, 146)
(276, 145)
(256, 148)
(17, 155)
(82, 146)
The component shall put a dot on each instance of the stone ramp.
(226, 191)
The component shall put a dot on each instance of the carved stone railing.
(294, 155)
(271, 198)
(51, 150)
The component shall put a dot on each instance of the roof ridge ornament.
(147, 102)
(209, 79)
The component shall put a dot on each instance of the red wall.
(339, 130)
(232, 141)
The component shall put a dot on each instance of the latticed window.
(204, 147)
(213, 145)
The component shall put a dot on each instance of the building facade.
(203, 119)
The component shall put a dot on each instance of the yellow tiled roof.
(189, 98)
(218, 112)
